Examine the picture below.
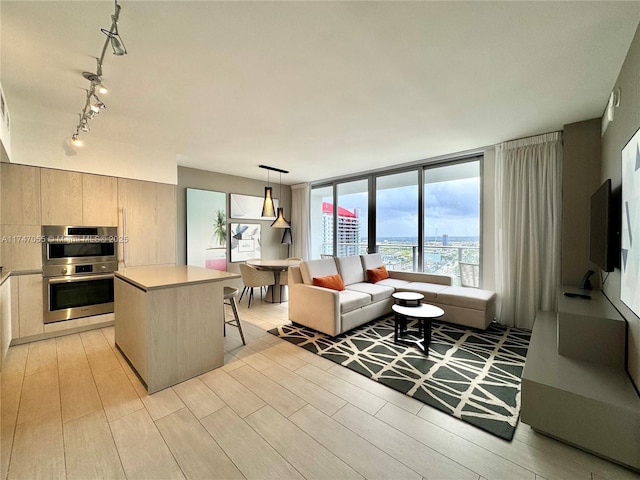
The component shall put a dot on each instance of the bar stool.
(230, 294)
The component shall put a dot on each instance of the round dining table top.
(273, 264)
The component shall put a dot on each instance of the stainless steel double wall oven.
(78, 265)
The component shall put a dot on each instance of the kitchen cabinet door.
(148, 219)
(21, 247)
(5, 319)
(20, 195)
(30, 305)
(61, 197)
(99, 200)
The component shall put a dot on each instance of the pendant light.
(287, 239)
(281, 222)
(268, 209)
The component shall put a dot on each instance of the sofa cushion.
(429, 290)
(351, 300)
(374, 275)
(371, 260)
(466, 297)
(378, 292)
(317, 268)
(393, 283)
(334, 282)
(351, 269)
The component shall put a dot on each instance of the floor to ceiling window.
(422, 218)
(451, 218)
(352, 218)
(321, 206)
(397, 220)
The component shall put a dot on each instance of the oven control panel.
(79, 269)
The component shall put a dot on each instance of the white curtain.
(300, 226)
(528, 222)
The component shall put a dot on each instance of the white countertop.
(156, 277)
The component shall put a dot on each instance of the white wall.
(38, 144)
(219, 182)
(619, 132)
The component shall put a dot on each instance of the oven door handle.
(79, 278)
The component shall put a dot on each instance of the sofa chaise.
(334, 311)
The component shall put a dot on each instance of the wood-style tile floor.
(72, 408)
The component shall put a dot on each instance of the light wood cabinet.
(99, 200)
(22, 306)
(20, 195)
(15, 319)
(61, 197)
(30, 305)
(5, 318)
(21, 247)
(148, 219)
(169, 321)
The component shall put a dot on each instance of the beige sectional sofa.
(334, 312)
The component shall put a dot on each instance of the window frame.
(421, 168)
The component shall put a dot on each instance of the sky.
(451, 208)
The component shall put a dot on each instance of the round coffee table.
(408, 299)
(423, 313)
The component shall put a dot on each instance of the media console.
(575, 386)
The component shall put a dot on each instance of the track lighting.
(116, 42)
(99, 103)
(90, 110)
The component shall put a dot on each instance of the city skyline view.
(451, 208)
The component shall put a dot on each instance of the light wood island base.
(168, 322)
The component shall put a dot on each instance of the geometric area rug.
(471, 374)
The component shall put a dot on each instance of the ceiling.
(322, 89)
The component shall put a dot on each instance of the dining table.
(275, 293)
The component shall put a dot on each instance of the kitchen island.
(169, 321)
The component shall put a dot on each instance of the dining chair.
(252, 277)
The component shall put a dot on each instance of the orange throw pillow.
(376, 274)
(334, 282)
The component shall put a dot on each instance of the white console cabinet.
(575, 386)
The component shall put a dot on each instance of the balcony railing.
(438, 259)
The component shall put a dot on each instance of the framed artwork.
(630, 241)
(207, 229)
(245, 241)
(248, 207)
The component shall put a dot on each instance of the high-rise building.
(348, 230)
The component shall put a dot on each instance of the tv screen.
(602, 232)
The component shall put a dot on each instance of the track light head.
(96, 82)
(117, 45)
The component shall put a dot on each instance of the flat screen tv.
(603, 234)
